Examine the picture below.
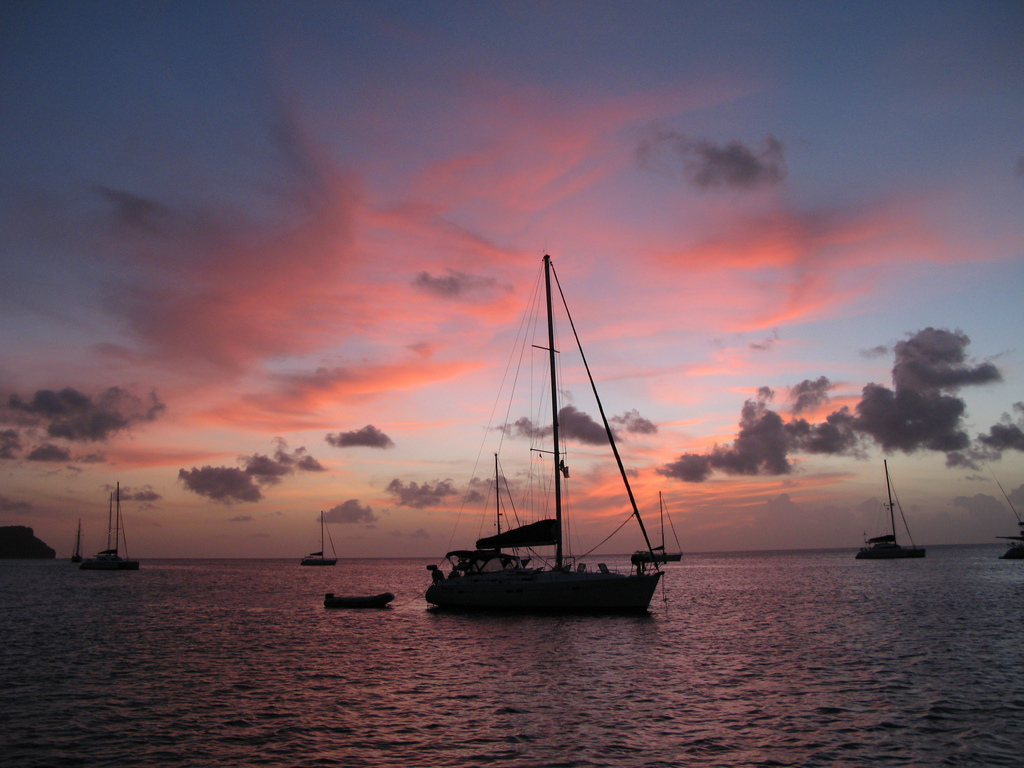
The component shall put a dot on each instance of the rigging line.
(1004, 493)
(607, 426)
(521, 334)
(120, 524)
(673, 527)
(610, 535)
(508, 492)
(903, 517)
(522, 339)
(330, 539)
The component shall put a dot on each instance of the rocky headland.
(21, 542)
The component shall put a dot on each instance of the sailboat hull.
(658, 557)
(1015, 552)
(534, 590)
(109, 564)
(318, 561)
(891, 552)
(368, 601)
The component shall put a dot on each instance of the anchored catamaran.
(885, 547)
(110, 559)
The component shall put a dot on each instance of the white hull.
(535, 590)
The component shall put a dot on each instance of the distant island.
(19, 541)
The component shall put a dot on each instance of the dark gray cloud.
(525, 428)
(145, 495)
(367, 437)
(456, 285)
(908, 420)
(838, 434)
(708, 165)
(270, 470)
(765, 344)
(634, 423)
(689, 467)
(241, 519)
(12, 507)
(243, 484)
(10, 443)
(1007, 434)
(808, 395)
(224, 484)
(49, 452)
(919, 413)
(73, 415)
(265, 470)
(935, 359)
(878, 351)
(350, 511)
(760, 447)
(576, 425)
(421, 496)
(134, 212)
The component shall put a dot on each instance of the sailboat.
(110, 559)
(1016, 550)
(77, 556)
(658, 553)
(885, 547)
(317, 558)
(489, 578)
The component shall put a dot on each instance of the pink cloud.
(310, 400)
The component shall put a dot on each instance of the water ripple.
(777, 659)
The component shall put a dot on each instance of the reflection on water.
(804, 658)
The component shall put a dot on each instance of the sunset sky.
(259, 260)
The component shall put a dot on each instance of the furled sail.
(882, 539)
(539, 534)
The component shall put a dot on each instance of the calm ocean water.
(749, 659)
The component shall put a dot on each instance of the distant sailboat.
(885, 547)
(110, 559)
(1016, 550)
(77, 556)
(658, 554)
(317, 558)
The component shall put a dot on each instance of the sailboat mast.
(117, 522)
(110, 518)
(554, 414)
(661, 507)
(321, 533)
(497, 494)
(888, 487)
